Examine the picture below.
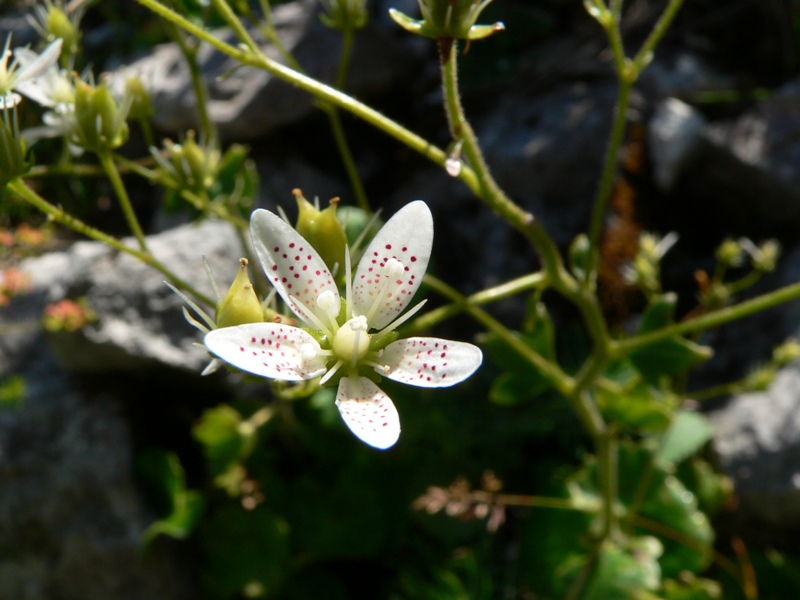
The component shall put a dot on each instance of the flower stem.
(319, 90)
(506, 290)
(19, 188)
(110, 167)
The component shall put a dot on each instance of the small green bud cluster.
(345, 15)
(448, 20)
(644, 271)
(52, 21)
(100, 123)
(189, 165)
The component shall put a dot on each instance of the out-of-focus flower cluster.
(460, 500)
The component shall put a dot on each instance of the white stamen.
(392, 271)
(397, 322)
(331, 372)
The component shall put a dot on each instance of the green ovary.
(351, 342)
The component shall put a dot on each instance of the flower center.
(351, 342)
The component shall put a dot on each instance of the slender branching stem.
(21, 190)
(110, 167)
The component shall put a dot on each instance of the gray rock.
(72, 521)
(139, 319)
(672, 134)
(245, 102)
(757, 439)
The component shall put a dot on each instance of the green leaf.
(520, 382)
(658, 504)
(625, 572)
(688, 432)
(163, 474)
(667, 357)
(640, 409)
(225, 437)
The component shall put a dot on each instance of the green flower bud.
(12, 154)
(99, 122)
(345, 15)
(323, 230)
(141, 107)
(448, 19)
(58, 25)
(240, 305)
(729, 253)
(189, 165)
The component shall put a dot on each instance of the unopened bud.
(448, 19)
(322, 230)
(240, 305)
(345, 15)
(100, 122)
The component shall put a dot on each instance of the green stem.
(110, 167)
(338, 131)
(18, 187)
(709, 320)
(321, 92)
(609, 172)
(506, 290)
(659, 29)
(207, 129)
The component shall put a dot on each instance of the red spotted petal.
(368, 412)
(429, 362)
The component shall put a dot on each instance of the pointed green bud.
(100, 122)
(323, 231)
(57, 24)
(141, 107)
(241, 304)
(448, 19)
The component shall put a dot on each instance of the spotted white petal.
(368, 412)
(381, 289)
(429, 362)
(268, 349)
(293, 266)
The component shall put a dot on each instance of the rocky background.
(713, 151)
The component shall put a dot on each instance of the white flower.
(25, 68)
(348, 341)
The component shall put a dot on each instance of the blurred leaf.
(670, 356)
(662, 505)
(711, 489)
(640, 409)
(520, 382)
(462, 578)
(688, 432)
(624, 572)
(552, 542)
(244, 548)
(225, 437)
(691, 588)
(12, 391)
(237, 179)
(164, 476)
